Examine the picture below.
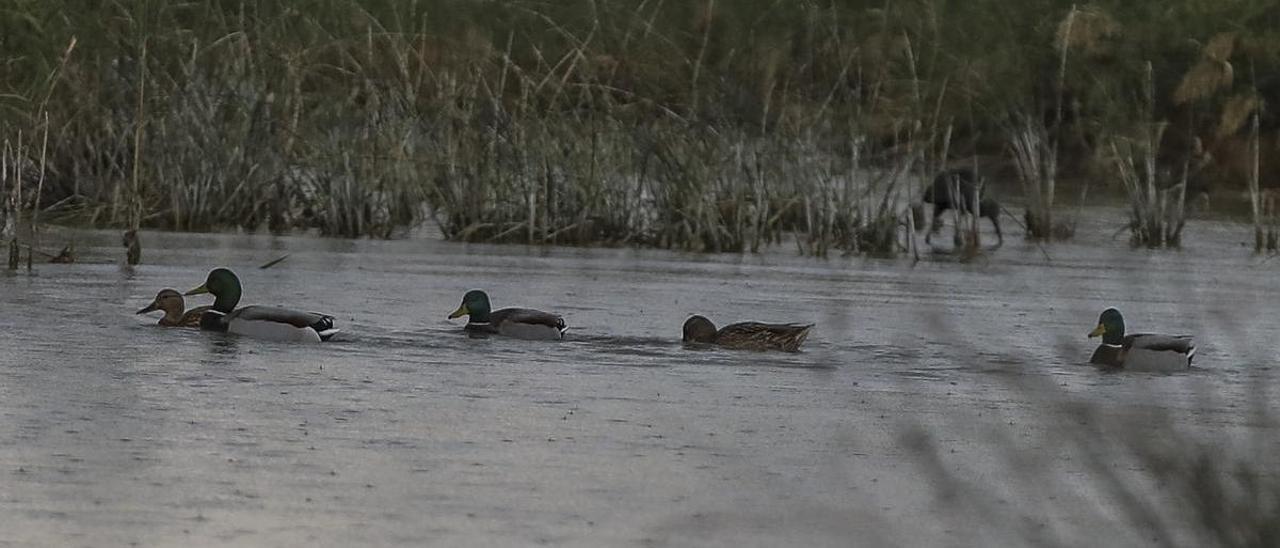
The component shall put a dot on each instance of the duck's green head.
(225, 287)
(474, 304)
(699, 329)
(1110, 327)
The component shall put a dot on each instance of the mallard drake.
(171, 302)
(747, 335)
(1139, 351)
(523, 323)
(264, 322)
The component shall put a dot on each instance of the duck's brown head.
(699, 329)
(171, 302)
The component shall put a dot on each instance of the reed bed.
(700, 125)
(16, 172)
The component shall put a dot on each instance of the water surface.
(403, 431)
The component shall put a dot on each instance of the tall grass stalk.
(11, 162)
(1258, 208)
(140, 123)
(35, 209)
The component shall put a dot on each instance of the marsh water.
(942, 403)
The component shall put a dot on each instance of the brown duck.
(747, 335)
(173, 305)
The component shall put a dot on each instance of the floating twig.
(274, 262)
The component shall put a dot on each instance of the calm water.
(116, 432)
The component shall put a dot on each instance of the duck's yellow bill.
(197, 291)
(461, 311)
(1098, 331)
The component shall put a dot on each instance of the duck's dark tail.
(324, 327)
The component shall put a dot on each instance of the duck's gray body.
(1147, 352)
(272, 323)
(521, 323)
(263, 322)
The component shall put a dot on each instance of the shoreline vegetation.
(705, 126)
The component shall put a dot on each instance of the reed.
(1033, 143)
(12, 161)
(1266, 219)
(1035, 155)
(1156, 207)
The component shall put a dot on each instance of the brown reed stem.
(1255, 198)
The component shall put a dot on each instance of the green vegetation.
(707, 125)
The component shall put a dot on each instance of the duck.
(171, 302)
(1139, 351)
(263, 322)
(522, 323)
(747, 335)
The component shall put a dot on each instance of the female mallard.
(523, 323)
(1143, 352)
(172, 304)
(747, 335)
(264, 322)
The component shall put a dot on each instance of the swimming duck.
(523, 323)
(264, 322)
(171, 302)
(1140, 351)
(747, 335)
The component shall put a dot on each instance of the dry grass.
(1236, 112)
(1157, 209)
(1266, 223)
(1087, 29)
(1211, 74)
(686, 125)
(1204, 80)
(1035, 155)
(1157, 206)
(1221, 46)
(353, 122)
